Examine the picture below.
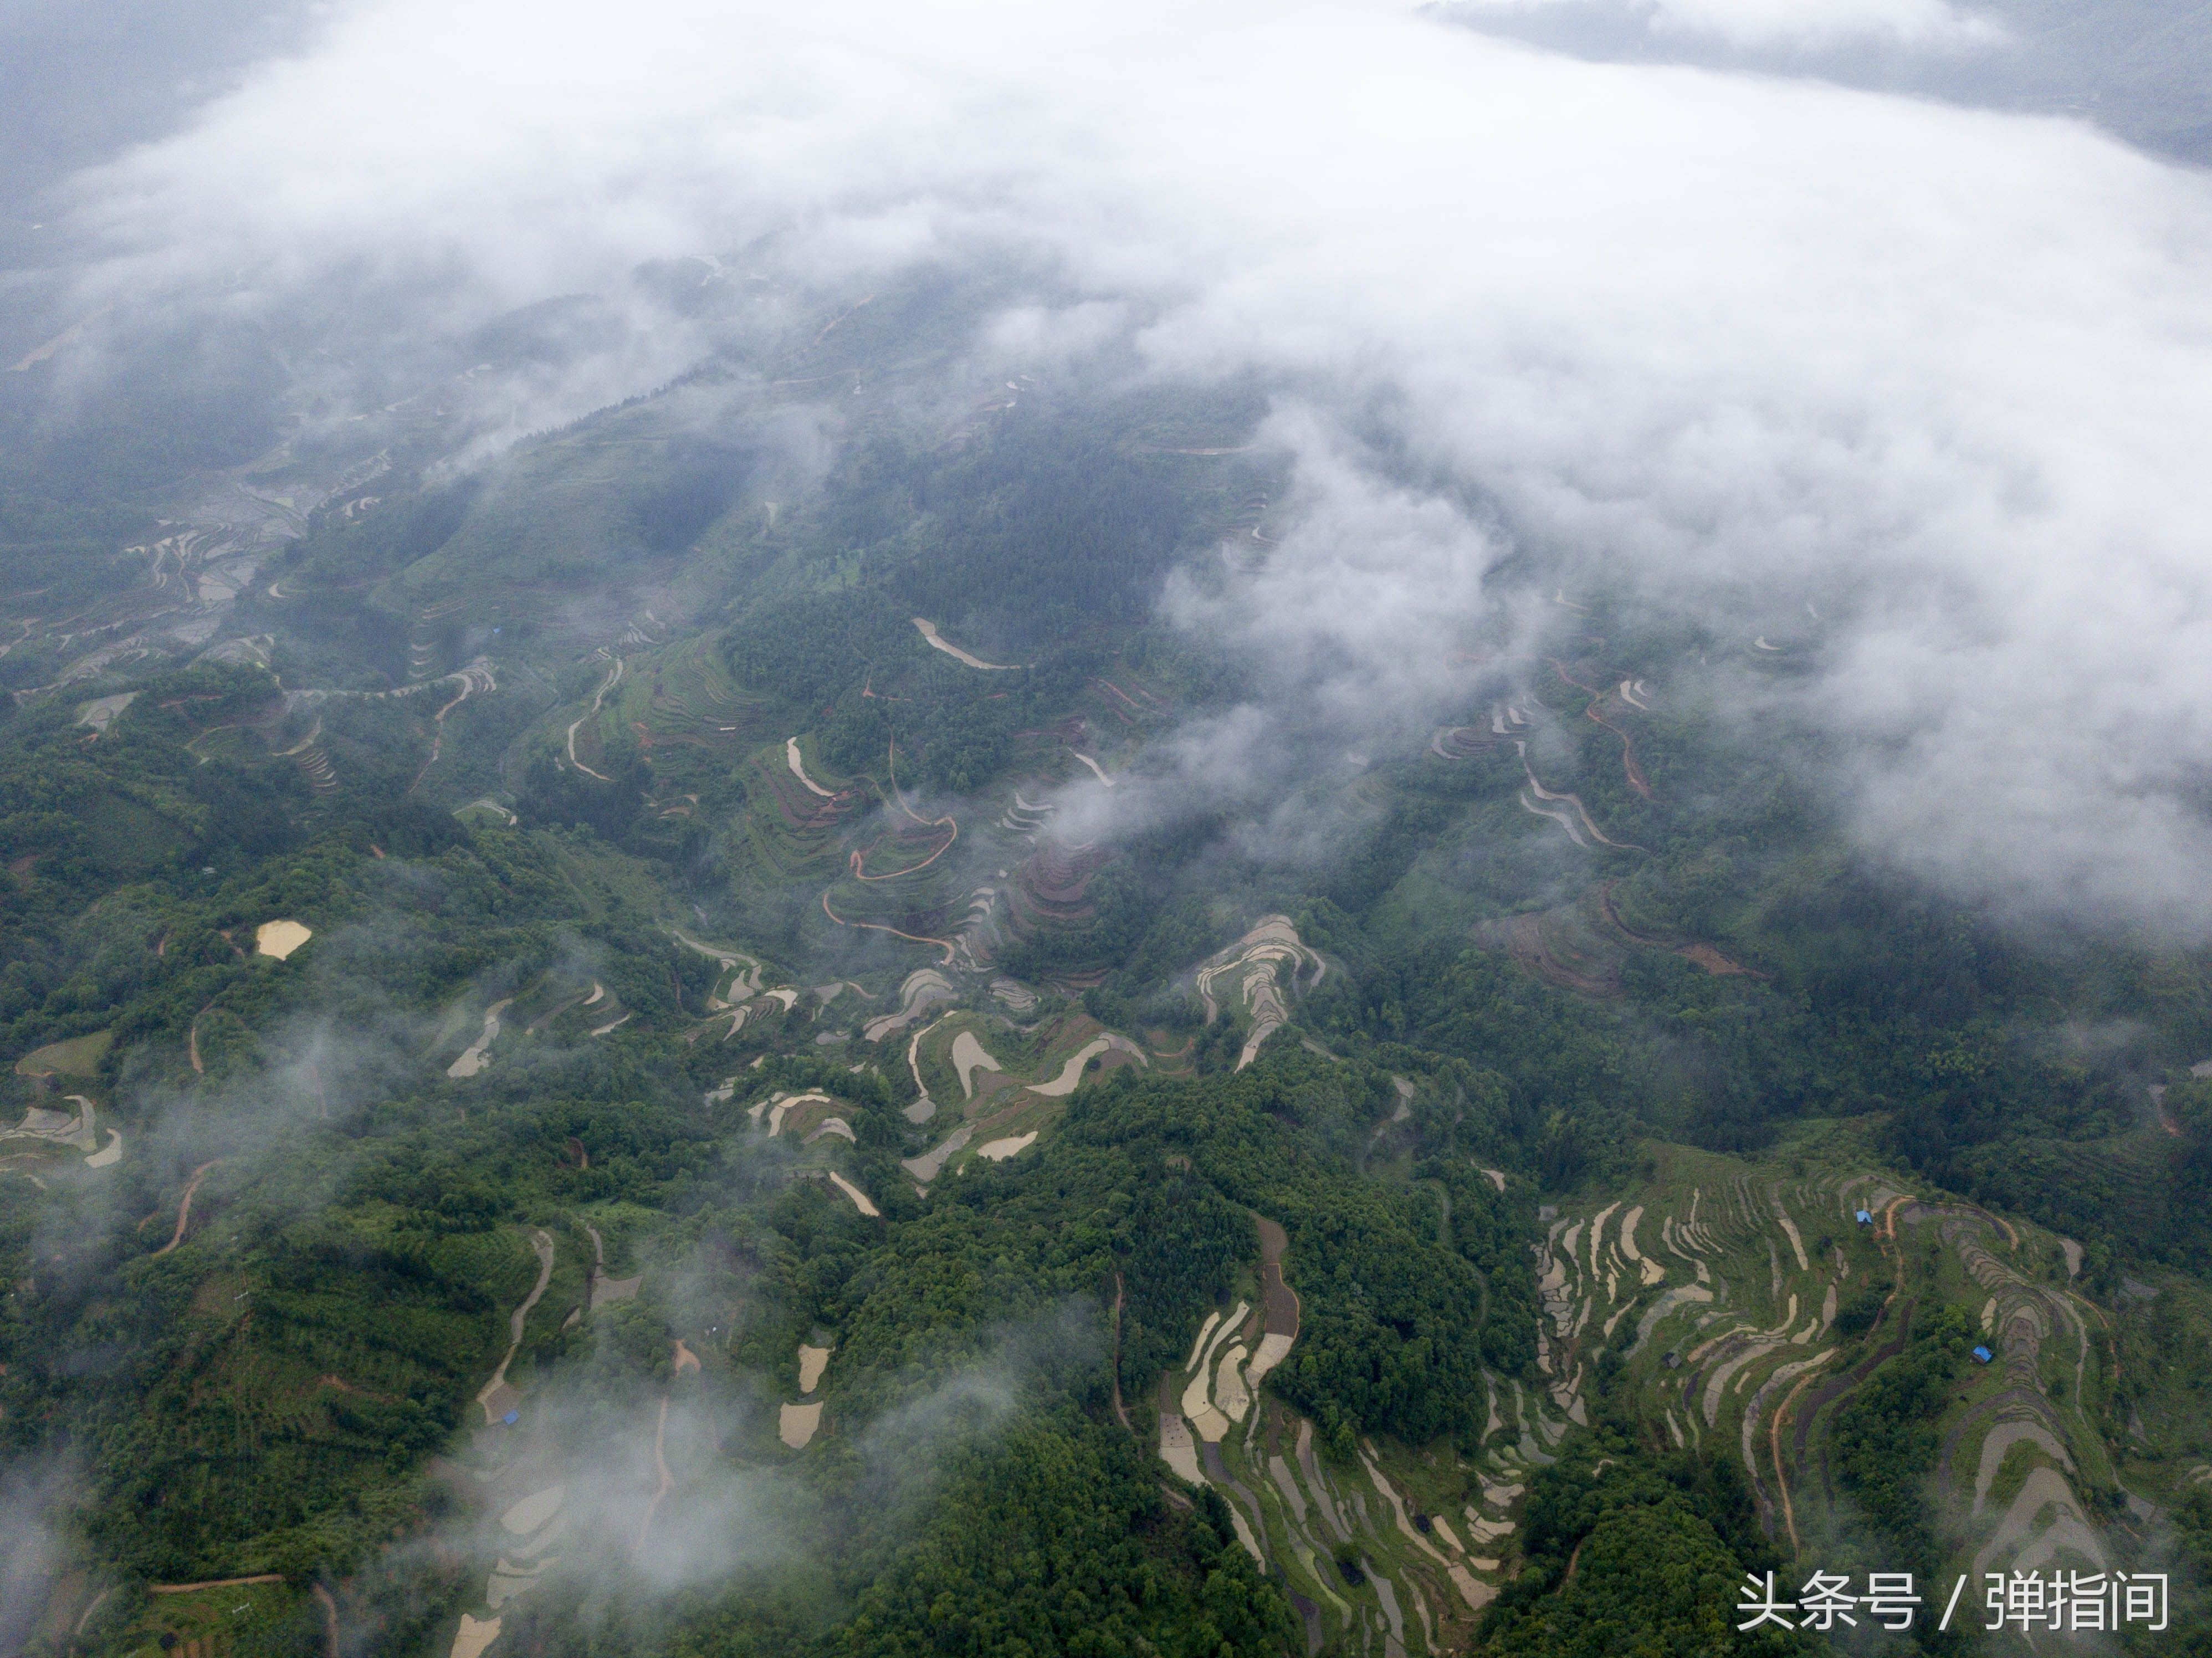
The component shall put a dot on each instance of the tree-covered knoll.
(1632, 1551)
(1058, 1540)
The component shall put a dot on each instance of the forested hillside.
(686, 1041)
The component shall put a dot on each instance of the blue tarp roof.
(1983, 1354)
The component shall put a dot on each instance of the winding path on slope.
(184, 1208)
(861, 874)
(613, 678)
(1634, 773)
(898, 797)
(438, 723)
(192, 1039)
(944, 944)
(938, 641)
(1696, 951)
(1782, 1474)
(329, 1619)
(1575, 800)
(541, 1243)
(214, 1583)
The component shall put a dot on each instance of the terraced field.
(690, 722)
(1254, 979)
(1716, 1286)
(990, 1087)
(795, 832)
(1393, 1552)
(1580, 945)
(1719, 1284)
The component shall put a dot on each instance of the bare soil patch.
(280, 938)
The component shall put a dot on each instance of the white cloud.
(1789, 24)
(1950, 371)
(1823, 22)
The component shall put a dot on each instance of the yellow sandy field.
(812, 1361)
(474, 1636)
(280, 938)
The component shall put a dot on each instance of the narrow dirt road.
(330, 1620)
(598, 699)
(184, 1219)
(541, 1244)
(213, 1583)
(1630, 769)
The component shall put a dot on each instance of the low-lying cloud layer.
(1724, 339)
(1797, 24)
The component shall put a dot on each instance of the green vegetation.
(657, 865)
(1886, 1438)
(1630, 1551)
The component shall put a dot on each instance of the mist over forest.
(1315, 828)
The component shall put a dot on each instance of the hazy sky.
(1945, 372)
(2140, 67)
(78, 82)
